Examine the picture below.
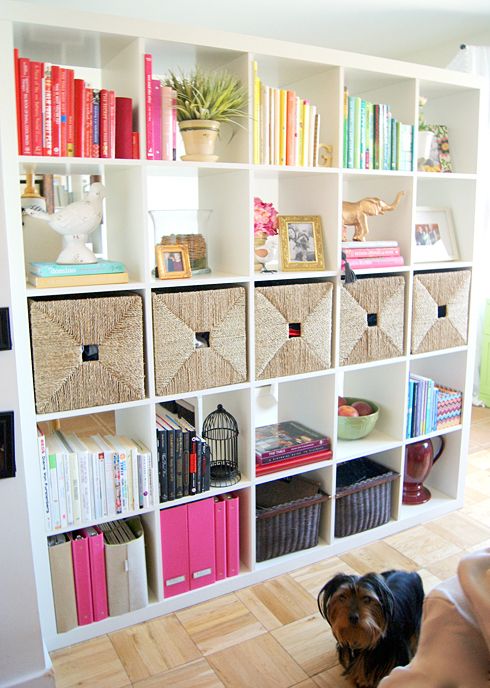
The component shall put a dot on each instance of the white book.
(44, 466)
(369, 244)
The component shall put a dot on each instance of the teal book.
(56, 270)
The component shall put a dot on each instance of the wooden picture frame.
(434, 237)
(301, 243)
(172, 261)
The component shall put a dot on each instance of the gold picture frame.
(301, 243)
(172, 261)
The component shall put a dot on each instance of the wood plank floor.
(270, 635)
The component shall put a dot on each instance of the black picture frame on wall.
(5, 338)
(7, 445)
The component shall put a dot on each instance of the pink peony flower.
(265, 217)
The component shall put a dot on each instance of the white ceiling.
(389, 28)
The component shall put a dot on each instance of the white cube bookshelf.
(228, 187)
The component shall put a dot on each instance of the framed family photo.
(434, 236)
(172, 261)
(301, 243)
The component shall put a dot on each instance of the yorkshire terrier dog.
(375, 620)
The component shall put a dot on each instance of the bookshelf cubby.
(228, 187)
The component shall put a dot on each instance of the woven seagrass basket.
(372, 319)
(440, 310)
(87, 351)
(184, 319)
(308, 306)
(363, 496)
(287, 516)
(196, 245)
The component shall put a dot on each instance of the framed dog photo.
(435, 239)
(301, 243)
(172, 261)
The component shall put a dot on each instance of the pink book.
(175, 551)
(81, 574)
(371, 252)
(96, 552)
(220, 537)
(148, 107)
(156, 107)
(167, 124)
(386, 262)
(202, 566)
(232, 534)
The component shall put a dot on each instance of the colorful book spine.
(148, 106)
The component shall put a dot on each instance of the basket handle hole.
(294, 330)
(201, 340)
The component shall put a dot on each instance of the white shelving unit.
(116, 48)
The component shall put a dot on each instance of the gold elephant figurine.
(354, 214)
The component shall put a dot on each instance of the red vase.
(419, 459)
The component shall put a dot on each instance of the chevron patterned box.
(449, 406)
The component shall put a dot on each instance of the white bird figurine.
(75, 222)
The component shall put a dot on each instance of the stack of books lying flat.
(46, 275)
(372, 254)
(288, 444)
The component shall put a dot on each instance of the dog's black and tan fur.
(375, 620)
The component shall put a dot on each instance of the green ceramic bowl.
(355, 427)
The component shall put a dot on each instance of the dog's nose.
(354, 618)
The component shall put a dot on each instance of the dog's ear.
(329, 589)
(378, 585)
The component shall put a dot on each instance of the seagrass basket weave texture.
(363, 496)
(87, 351)
(310, 306)
(180, 319)
(287, 516)
(372, 319)
(440, 310)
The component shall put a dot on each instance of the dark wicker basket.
(287, 516)
(363, 496)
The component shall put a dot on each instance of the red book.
(56, 109)
(63, 112)
(87, 147)
(291, 128)
(292, 463)
(36, 77)
(104, 123)
(70, 112)
(135, 140)
(112, 124)
(386, 262)
(124, 128)
(371, 252)
(25, 106)
(17, 97)
(79, 117)
(47, 95)
(148, 108)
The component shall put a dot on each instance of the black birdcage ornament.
(220, 430)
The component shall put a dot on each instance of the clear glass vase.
(187, 227)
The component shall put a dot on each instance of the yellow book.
(78, 280)
(256, 111)
(282, 125)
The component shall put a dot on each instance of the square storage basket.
(199, 339)
(276, 308)
(87, 351)
(440, 310)
(287, 516)
(372, 319)
(363, 496)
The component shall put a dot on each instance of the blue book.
(56, 270)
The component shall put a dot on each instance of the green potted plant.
(204, 101)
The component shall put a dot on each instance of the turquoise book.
(57, 270)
